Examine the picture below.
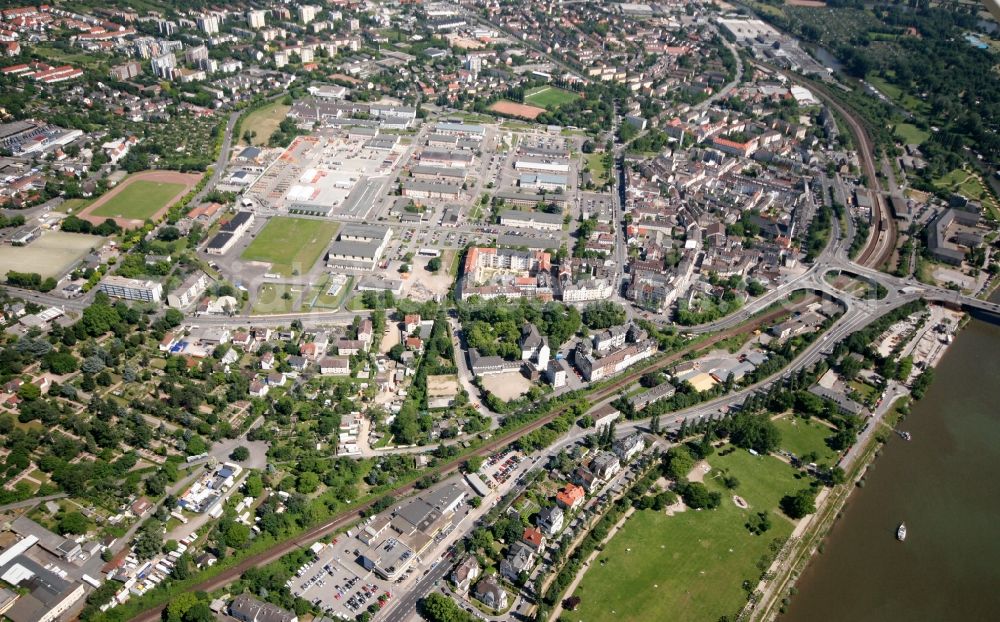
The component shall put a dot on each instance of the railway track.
(882, 237)
(348, 517)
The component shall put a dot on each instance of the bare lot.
(517, 110)
(53, 254)
(444, 385)
(508, 385)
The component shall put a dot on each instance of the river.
(945, 485)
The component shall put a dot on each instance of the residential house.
(570, 497)
(550, 520)
(519, 559)
(629, 446)
(534, 539)
(332, 366)
(605, 465)
(465, 574)
(489, 592)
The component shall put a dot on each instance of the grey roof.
(367, 232)
(246, 607)
(843, 402)
(541, 217)
(46, 590)
(349, 248)
(220, 240)
(237, 221)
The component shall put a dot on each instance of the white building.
(532, 220)
(131, 289)
(164, 65)
(307, 13)
(256, 19)
(208, 24)
(189, 291)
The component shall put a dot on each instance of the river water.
(945, 484)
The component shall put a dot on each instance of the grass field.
(911, 134)
(802, 437)
(896, 94)
(320, 299)
(264, 121)
(71, 206)
(291, 245)
(139, 200)
(549, 97)
(595, 161)
(971, 186)
(270, 298)
(52, 254)
(690, 566)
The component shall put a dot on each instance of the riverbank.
(808, 539)
(939, 484)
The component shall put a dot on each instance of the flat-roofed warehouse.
(532, 220)
(358, 246)
(432, 172)
(444, 157)
(393, 539)
(542, 165)
(422, 189)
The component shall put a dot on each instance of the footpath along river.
(945, 484)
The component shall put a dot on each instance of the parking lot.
(339, 585)
(500, 467)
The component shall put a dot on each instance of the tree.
(678, 462)
(603, 314)
(149, 541)
(434, 264)
(436, 607)
(473, 464)
(60, 363)
(307, 483)
(697, 496)
(73, 523)
(29, 392)
(173, 317)
(755, 432)
(237, 535)
(758, 523)
(240, 454)
(180, 605)
(800, 504)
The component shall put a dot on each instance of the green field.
(291, 245)
(896, 94)
(801, 437)
(690, 566)
(595, 162)
(549, 97)
(911, 134)
(263, 121)
(139, 200)
(270, 298)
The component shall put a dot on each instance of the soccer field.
(138, 200)
(690, 566)
(291, 245)
(549, 97)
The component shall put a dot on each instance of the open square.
(291, 245)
